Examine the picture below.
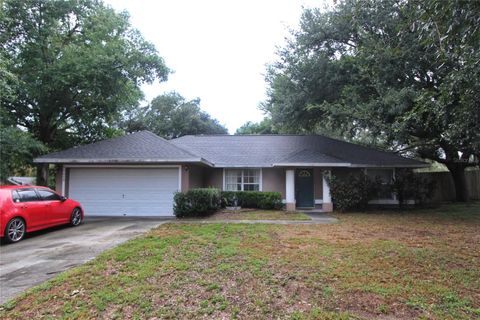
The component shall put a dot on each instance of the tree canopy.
(171, 116)
(398, 74)
(263, 127)
(78, 64)
(16, 145)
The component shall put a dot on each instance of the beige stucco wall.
(213, 178)
(318, 183)
(197, 176)
(185, 179)
(58, 179)
(273, 179)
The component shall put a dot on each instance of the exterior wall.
(196, 177)
(273, 179)
(67, 182)
(185, 179)
(213, 178)
(318, 183)
(58, 179)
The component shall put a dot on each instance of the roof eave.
(420, 165)
(120, 161)
(312, 164)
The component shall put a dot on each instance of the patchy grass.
(259, 215)
(382, 265)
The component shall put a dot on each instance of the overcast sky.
(217, 49)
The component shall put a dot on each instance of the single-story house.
(139, 173)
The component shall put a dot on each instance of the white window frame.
(260, 182)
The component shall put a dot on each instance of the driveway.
(46, 253)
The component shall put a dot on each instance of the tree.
(263, 127)
(171, 116)
(372, 69)
(16, 146)
(79, 64)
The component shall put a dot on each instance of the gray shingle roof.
(230, 151)
(311, 156)
(139, 147)
(282, 150)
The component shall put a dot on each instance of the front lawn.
(421, 264)
(259, 215)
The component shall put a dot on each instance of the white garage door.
(124, 191)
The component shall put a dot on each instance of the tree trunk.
(457, 170)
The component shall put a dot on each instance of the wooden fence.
(445, 189)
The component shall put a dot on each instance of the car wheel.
(76, 217)
(15, 230)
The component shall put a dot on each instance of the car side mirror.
(63, 198)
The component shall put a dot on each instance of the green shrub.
(252, 199)
(352, 193)
(410, 186)
(196, 202)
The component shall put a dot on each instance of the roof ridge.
(93, 143)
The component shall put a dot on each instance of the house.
(139, 173)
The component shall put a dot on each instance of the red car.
(29, 208)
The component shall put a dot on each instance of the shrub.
(252, 199)
(196, 202)
(407, 186)
(353, 192)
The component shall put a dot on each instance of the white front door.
(124, 191)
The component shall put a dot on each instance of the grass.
(381, 265)
(259, 215)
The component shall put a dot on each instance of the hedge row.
(204, 201)
(252, 199)
(196, 202)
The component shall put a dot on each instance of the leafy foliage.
(17, 148)
(263, 127)
(252, 199)
(79, 63)
(196, 202)
(396, 74)
(407, 185)
(172, 116)
(352, 193)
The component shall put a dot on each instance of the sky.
(217, 49)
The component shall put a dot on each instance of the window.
(48, 195)
(385, 176)
(242, 179)
(15, 196)
(27, 195)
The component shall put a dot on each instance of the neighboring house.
(137, 174)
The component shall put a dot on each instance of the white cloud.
(218, 49)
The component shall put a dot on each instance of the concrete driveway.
(42, 255)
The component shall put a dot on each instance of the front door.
(304, 188)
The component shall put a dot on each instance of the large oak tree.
(78, 63)
(398, 74)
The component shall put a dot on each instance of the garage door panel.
(124, 191)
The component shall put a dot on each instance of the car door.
(32, 208)
(57, 212)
